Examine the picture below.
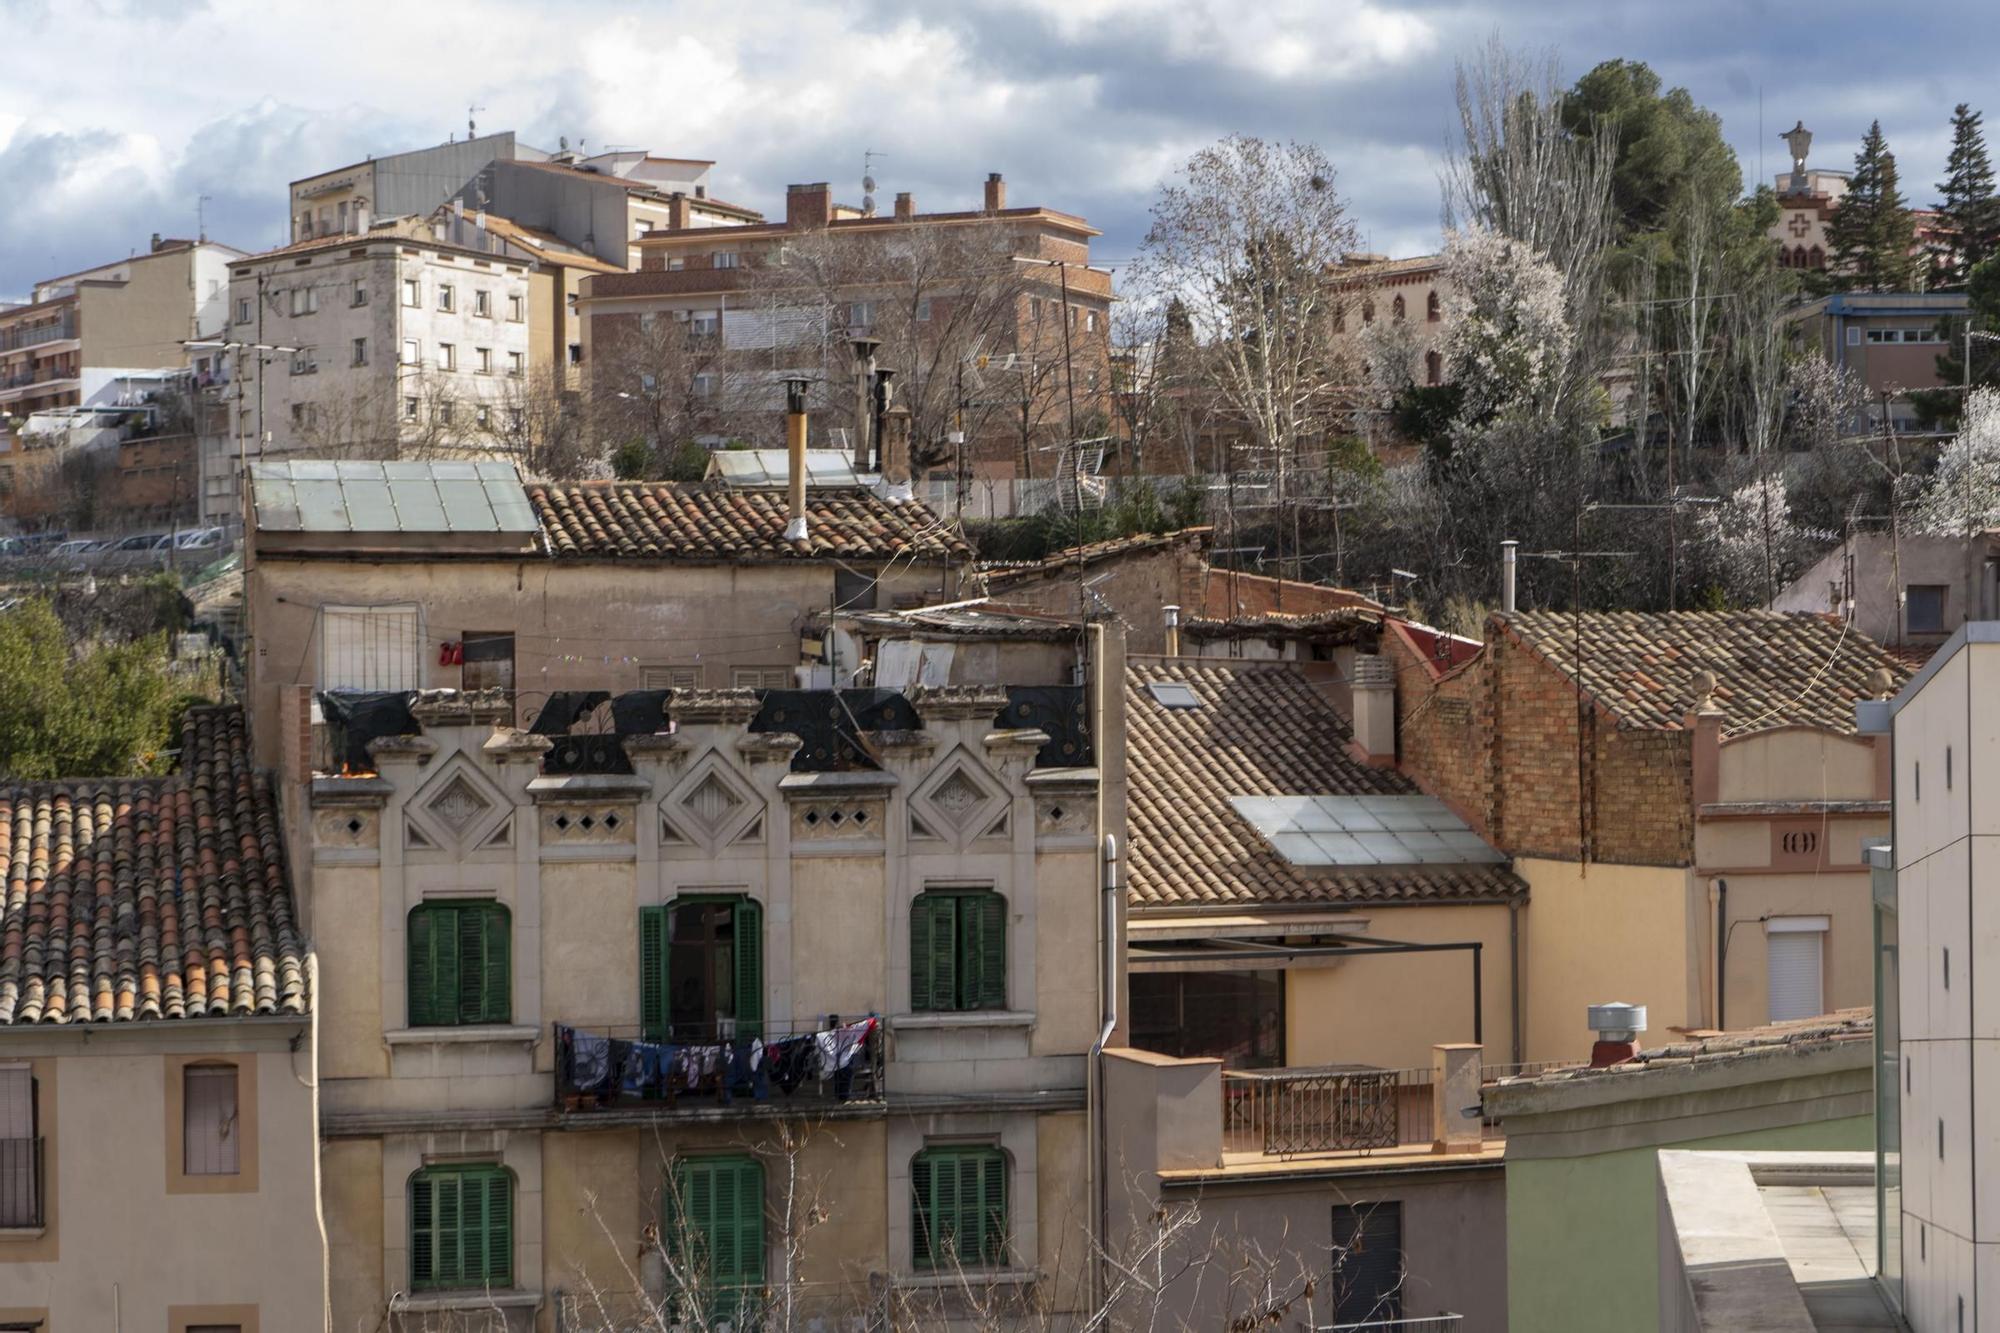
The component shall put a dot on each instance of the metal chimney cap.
(1617, 1021)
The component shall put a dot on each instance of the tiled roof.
(1797, 1037)
(659, 520)
(1005, 574)
(1261, 730)
(1341, 625)
(150, 898)
(548, 245)
(1772, 668)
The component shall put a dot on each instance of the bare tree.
(661, 381)
(546, 426)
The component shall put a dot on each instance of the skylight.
(1364, 830)
(1173, 694)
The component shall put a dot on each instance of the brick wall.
(1498, 741)
(1229, 594)
(1137, 586)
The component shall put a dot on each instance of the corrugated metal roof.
(348, 496)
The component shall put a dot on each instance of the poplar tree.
(1871, 234)
(1969, 212)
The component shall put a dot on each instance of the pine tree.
(1969, 212)
(1871, 233)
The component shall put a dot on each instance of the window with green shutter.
(715, 1231)
(462, 1227)
(701, 968)
(958, 951)
(958, 1208)
(460, 964)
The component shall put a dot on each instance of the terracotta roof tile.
(1345, 624)
(150, 898)
(1795, 1037)
(660, 520)
(1772, 668)
(1261, 730)
(1006, 574)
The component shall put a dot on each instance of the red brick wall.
(1235, 594)
(1498, 741)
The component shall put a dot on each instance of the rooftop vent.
(1617, 1026)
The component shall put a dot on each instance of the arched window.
(958, 1208)
(1368, 312)
(1817, 259)
(1799, 259)
(462, 1226)
(1433, 308)
(460, 968)
(1433, 367)
(715, 1230)
(1396, 309)
(1784, 257)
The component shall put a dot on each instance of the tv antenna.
(201, 216)
(472, 124)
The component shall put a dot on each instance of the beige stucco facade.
(128, 1237)
(464, 811)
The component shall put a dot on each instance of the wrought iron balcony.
(755, 1067)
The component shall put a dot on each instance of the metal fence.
(20, 1182)
(1341, 1108)
(1430, 1323)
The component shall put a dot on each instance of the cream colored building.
(157, 1112)
(729, 886)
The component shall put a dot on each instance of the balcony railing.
(20, 1183)
(1430, 1323)
(1337, 1108)
(720, 1064)
(35, 336)
(21, 379)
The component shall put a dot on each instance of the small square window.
(483, 360)
(576, 354)
(516, 364)
(482, 303)
(360, 351)
(409, 409)
(412, 292)
(515, 309)
(447, 356)
(360, 292)
(1924, 608)
(444, 412)
(410, 351)
(447, 298)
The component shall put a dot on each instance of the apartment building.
(411, 337)
(1406, 297)
(573, 845)
(1685, 795)
(156, 1053)
(598, 203)
(1888, 341)
(90, 339)
(991, 320)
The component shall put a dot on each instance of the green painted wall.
(1583, 1233)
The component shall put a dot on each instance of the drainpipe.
(1715, 891)
(1098, 1165)
(1508, 550)
(1173, 619)
(1721, 951)
(1514, 974)
(795, 457)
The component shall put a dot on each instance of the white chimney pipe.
(1507, 552)
(1172, 616)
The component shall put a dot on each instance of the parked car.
(134, 552)
(12, 548)
(203, 544)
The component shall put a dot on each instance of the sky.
(121, 119)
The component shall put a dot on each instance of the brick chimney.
(808, 205)
(996, 192)
(906, 206)
(680, 213)
(1374, 693)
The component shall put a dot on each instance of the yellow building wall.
(838, 963)
(1390, 1009)
(351, 1195)
(1068, 906)
(347, 935)
(590, 946)
(1064, 1216)
(1795, 763)
(1598, 933)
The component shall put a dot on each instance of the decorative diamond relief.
(459, 805)
(710, 807)
(959, 802)
(710, 803)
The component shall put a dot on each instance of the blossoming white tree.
(1964, 492)
(1511, 336)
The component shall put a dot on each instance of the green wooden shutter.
(749, 930)
(423, 1232)
(934, 952)
(444, 1001)
(484, 963)
(420, 948)
(749, 1221)
(992, 1167)
(653, 973)
(717, 1225)
(447, 1197)
(923, 1211)
(982, 919)
(499, 1270)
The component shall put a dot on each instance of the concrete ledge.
(971, 1018)
(1721, 1264)
(461, 1036)
(445, 1301)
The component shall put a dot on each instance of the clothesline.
(608, 1067)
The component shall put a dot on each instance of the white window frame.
(517, 364)
(360, 351)
(482, 360)
(242, 310)
(412, 354)
(413, 293)
(447, 297)
(725, 259)
(371, 647)
(447, 356)
(516, 309)
(482, 302)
